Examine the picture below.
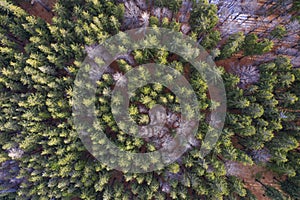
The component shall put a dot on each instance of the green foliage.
(211, 40)
(203, 19)
(237, 187)
(233, 45)
(172, 5)
(39, 63)
(254, 47)
(249, 196)
(273, 193)
(279, 32)
(291, 187)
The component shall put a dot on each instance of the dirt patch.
(42, 8)
(249, 173)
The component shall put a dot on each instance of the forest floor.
(249, 173)
(37, 9)
(246, 172)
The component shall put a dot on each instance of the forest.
(254, 46)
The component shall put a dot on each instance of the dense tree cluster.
(42, 156)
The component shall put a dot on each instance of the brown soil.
(37, 9)
(249, 173)
(226, 63)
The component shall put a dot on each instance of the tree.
(254, 110)
(233, 45)
(279, 32)
(254, 47)
(271, 192)
(291, 187)
(173, 6)
(249, 196)
(247, 74)
(236, 186)
(287, 99)
(203, 19)
(211, 40)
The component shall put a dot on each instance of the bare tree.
(293, 27)
(262, 155)
(247, 74)
(135, 16)
(296, 62)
